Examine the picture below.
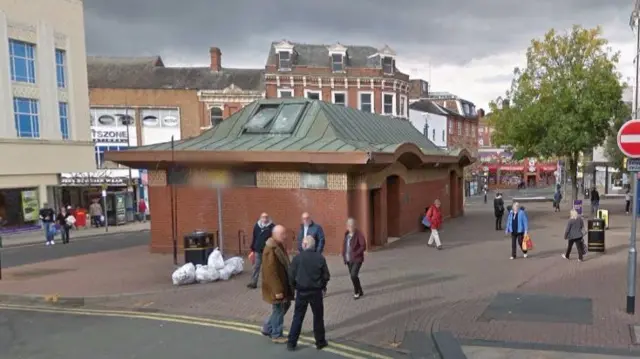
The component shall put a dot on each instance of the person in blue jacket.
(518, 227)
(310, 228)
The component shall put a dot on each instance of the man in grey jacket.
(573, 234)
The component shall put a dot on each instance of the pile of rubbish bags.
(216, 269)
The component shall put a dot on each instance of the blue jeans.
(256, 268)
(594, 207)
(47, 231)
(274, 324)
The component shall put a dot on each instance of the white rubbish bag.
(226, 272)
(206, 274)
(237, 263)
(184, 275)
(215, 260)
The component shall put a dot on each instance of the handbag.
(527, 243)
(426, 222)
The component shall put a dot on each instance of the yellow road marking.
(336, 348)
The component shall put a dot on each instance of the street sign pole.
(629, 144)
(633, 254)
(220, 234)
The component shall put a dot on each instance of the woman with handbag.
(574, 235)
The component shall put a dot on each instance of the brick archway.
(393, 206)
(453, 194)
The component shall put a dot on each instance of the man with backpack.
(433, 220)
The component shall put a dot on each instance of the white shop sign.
(110, 135)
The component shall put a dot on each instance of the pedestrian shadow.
(398, 284)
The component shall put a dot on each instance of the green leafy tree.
(616, 158)
(563, 101)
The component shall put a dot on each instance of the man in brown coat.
(276, 289)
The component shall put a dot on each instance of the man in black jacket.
(309, 276)
(498, 210)
(261, 233)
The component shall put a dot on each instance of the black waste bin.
(595, 235)
(197, 247)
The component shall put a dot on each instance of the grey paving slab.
(476, 352)
(539, 308)
(66, 336)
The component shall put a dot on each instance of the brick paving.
(410, 287)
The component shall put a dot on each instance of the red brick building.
(288, 156)
(360, 77)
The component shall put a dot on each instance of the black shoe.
(291, 347)
(322, 345)
(252, 286)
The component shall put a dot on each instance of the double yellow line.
(345, 351)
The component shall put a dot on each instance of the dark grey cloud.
(444, 31)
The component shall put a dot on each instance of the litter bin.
(197, 247)
(595, 235)
(603, 214)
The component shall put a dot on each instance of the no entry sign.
(629, 139)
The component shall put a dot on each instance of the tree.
(562, 102)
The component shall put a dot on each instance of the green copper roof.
(320, 126)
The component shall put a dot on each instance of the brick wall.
(396, 207)
(192, 111)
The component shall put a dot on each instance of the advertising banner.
(30, 206)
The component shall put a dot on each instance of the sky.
(466, 47)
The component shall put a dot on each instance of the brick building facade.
(331, 161)
(360, 77)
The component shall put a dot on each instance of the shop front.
(19, 209)
(78, 190)
(527, 173)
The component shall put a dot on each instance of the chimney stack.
(216, 59)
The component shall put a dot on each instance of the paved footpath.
(470, 288)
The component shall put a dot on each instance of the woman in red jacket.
(435, 218)
(353, 249)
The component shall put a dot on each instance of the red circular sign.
(629, 138)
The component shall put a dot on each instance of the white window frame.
(280, 68)
(382, 59)
(394, 103)
(451, 125)
(307, 92)
(404, 106)
(373, 100)
(346, 97)
(280, 91)
(341, 70)
(459, 125)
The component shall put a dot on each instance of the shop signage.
(109, 135)
(94, 181)
(510, 168)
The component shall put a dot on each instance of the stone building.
(360, 77)
(287, 156)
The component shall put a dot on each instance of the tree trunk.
(573, 172)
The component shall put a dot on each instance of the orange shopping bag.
(527, 243)
(252, 257)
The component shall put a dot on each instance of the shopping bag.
(252, 258)
(527, 243)
(426, 222)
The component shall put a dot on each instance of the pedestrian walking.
(310, 228)
(595, 201)
(353, 248)
(65, 221)
(518, 227)
(498, 210)
(142, 210)
(308, 276)
(557, 197)
(435, 218)
(47, 217)
(485, 190)
(276, 288)
(574, 234)
(95, 212)
(627, 199)
(262, 231)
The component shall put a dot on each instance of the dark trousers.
(627, 206)
(354, 272)
(579, 246)
(498, 222)
(314, 299)
(516, 239)
(64, 231)
(96, 221)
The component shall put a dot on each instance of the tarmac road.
(58, 333)
(17, 256)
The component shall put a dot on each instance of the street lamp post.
(130, 182)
